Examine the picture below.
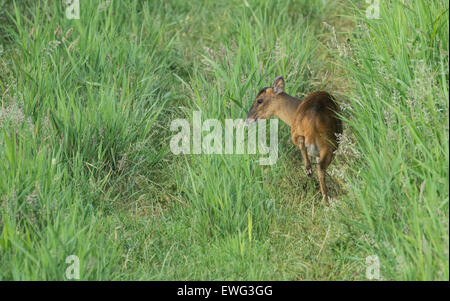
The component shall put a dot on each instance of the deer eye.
(260, 100)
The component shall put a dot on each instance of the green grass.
(401, 98)
(86, 168)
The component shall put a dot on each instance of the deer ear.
(278, 85)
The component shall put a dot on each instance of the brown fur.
(314, 123)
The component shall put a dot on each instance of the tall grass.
(399, 115)
(81, 99)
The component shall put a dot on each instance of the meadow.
(86, 168)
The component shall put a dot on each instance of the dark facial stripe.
(262, 91)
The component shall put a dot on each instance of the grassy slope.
(401, 99)
(86, 170)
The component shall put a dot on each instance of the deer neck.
(287, 108)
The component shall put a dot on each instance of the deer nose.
(250, 120)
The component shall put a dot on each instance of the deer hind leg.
(326, 155)
(301, 144)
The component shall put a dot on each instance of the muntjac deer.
(313, 120)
